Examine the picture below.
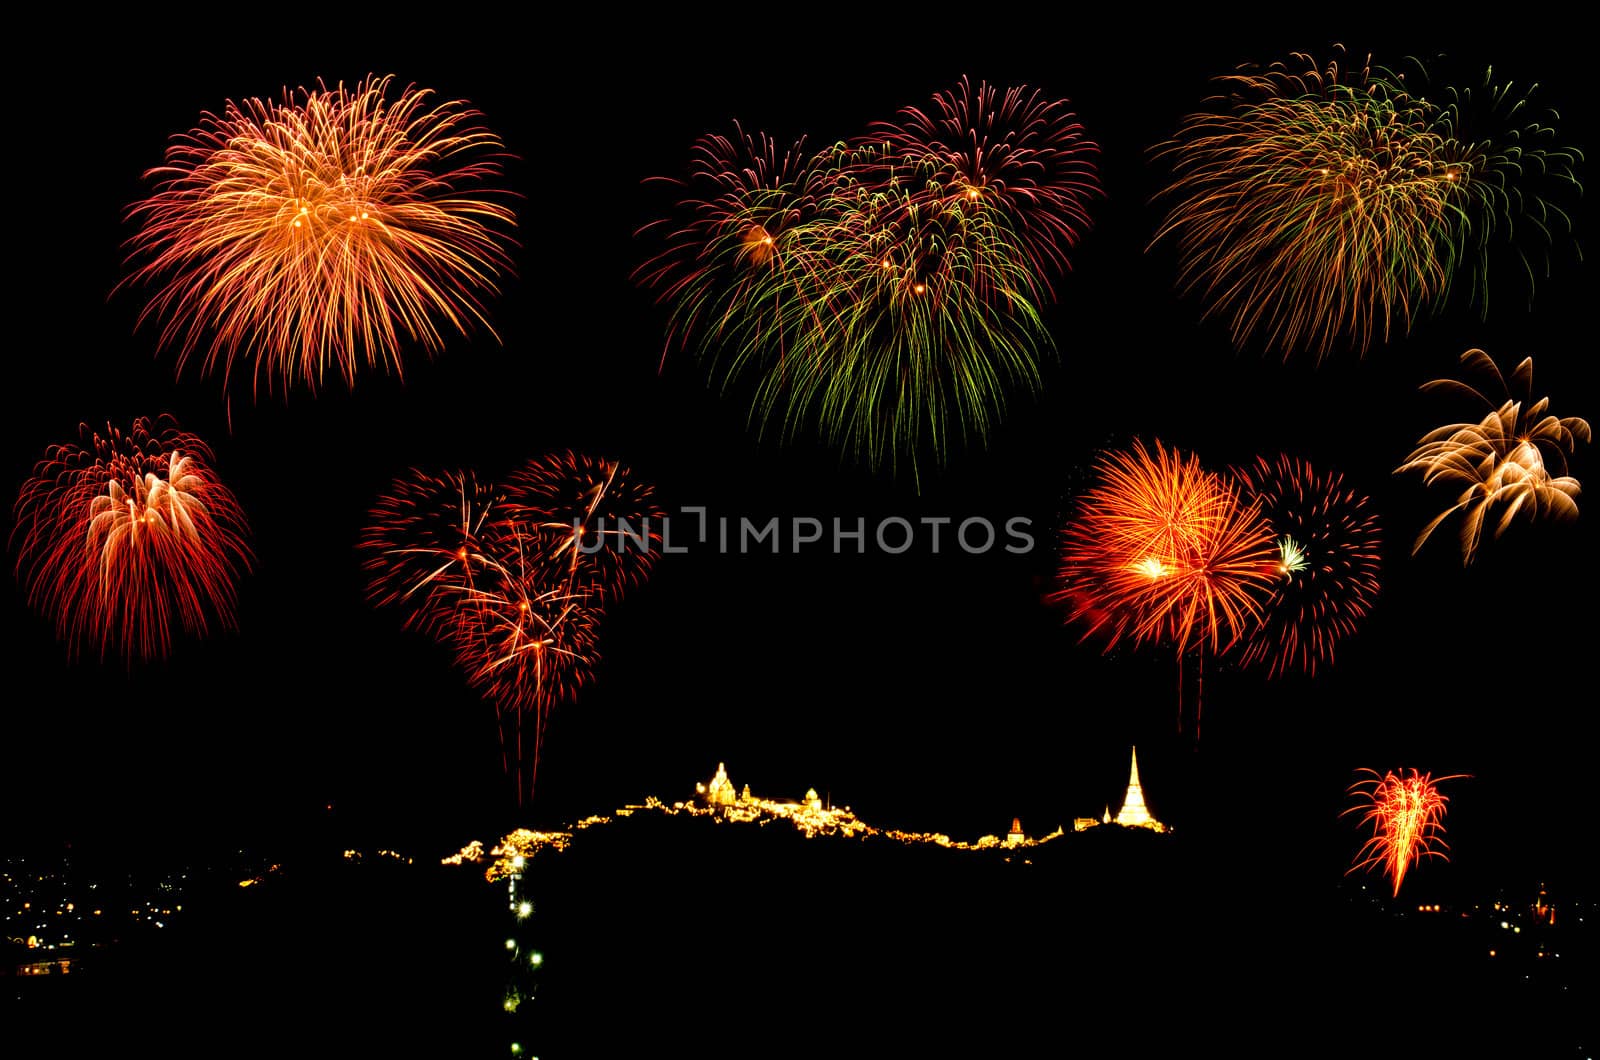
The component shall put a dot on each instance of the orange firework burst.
(128, 534)
(1162, 549)
(1513, 460)
(323, 231)
(1407, 818)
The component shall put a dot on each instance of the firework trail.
(126, 535)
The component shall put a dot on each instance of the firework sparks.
(1327, 570)
(1512, 461)
(128, 534)
(1325, 201)
(323, 232)
(1162, 549)
(885, 290)
(1406, 813)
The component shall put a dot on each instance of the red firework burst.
(1016, 151)
(1406, 813)
(126, 535)
(323, 231)
(513, 581)
(426, 545)
(591, 516)
(1161, 549)
(1326, 576)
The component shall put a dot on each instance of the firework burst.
(884, 291)
(1327, 571)
(1324, 201)
(323, 232)
(1160, 549)
(1406, 814)
(513, 581)
(127, 535)
(1513, 461)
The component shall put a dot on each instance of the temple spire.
(1134, 813)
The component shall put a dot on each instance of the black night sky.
(927, 691)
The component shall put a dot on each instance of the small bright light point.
(919, 288)
(518, 861)
(524, 910)
(516, 1049)
(536, 958)
(511, 944)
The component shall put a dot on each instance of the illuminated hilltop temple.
(1134, 813)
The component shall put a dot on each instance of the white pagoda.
(1134, 813)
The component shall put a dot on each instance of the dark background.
(926, 691)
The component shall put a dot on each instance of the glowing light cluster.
(1316, 202)
(514, 579)
(885, 289)
(1406, 814)
(323, 232)
(125, 536)
(1513, 461)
